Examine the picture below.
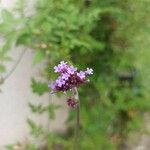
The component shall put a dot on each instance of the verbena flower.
(69, 77)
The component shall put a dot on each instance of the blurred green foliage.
(112, 37)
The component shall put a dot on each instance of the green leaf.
(6, 58)
(51, 110)
(2, 68)
(7, 16)
(31, 147)
(36, 130)
(39, 56)
(39, 87)
(37, 108)
(9, 147)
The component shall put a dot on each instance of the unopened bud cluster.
(72, 103)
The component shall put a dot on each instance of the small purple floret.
(89, 71)
(52, 85)
(62, 67)
(65, 76)
(71, 70)
(81, 75)
(60, 81)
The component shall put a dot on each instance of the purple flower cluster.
(69, 77)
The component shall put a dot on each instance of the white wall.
(16, 93)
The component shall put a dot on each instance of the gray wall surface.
(16, 93)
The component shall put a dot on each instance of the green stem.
(77, 127)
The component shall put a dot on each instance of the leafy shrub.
(100, 34)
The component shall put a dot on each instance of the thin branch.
(75, 93)
(14, 67)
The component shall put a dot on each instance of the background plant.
(110, 36)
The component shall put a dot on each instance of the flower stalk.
(77, 127)
(68, 80)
